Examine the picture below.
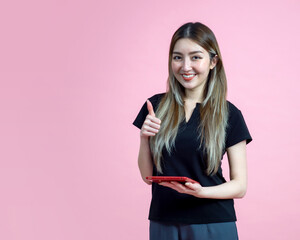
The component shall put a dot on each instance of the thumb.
(150, 108)
(191, 185)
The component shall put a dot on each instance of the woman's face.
(191, 64)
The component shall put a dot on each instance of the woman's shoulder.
(237, 129)
(232, 109)
(234, 113)
(157, 97)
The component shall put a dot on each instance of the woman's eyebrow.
(194, 52)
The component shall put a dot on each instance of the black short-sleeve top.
(187, 159)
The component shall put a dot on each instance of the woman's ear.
(214, 61)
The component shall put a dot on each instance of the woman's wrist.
(144, 138)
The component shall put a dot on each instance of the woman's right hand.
(151, 124)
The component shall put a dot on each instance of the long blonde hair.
(213, 109)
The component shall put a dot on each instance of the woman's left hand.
(235, 188)
(194, 189)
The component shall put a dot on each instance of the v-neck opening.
(194, 110)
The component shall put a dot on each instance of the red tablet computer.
(158, 179)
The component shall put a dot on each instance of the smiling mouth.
(188, 77)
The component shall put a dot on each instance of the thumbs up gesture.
(151, 124)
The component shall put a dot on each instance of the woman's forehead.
(186, 45)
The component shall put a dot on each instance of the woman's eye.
(196, 57)
(176, 57)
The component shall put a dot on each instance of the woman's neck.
(193, 96)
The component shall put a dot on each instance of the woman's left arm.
(235, 188)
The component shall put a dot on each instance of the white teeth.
(188, 76)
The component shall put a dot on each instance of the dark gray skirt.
(211, 231)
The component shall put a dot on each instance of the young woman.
(185, 132)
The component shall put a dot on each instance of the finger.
(153, 119)
(150, 123)
(166, 184)
(181, 188)
(150, 129)
(154, 125)
(193, 186)
(150, 108)
(177, 187)
(147, 134)
(184, 187)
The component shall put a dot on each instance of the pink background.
(74, 74)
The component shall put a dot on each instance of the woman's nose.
(186, 65)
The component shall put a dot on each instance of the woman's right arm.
(150, 127)
(145, 161)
